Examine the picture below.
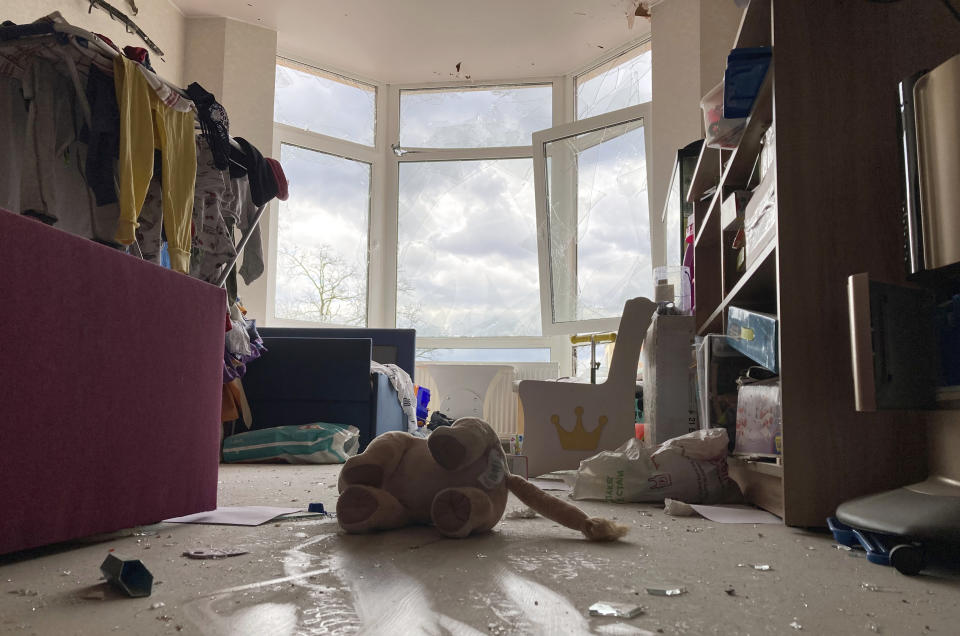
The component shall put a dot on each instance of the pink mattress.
(110, 372)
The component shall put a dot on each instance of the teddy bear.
(456, 479)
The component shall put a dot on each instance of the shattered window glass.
(325, 103)
(474, 117)
(467, 250)
(626, 80)
(322, 238)
(597, 223)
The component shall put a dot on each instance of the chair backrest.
(636, 318)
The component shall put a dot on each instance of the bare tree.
(333, 287)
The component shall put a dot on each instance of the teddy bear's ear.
(454, 447)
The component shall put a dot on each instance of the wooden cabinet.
(831, 95)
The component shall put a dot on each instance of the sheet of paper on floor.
(550, 484)
(236, 515)
(735, 514)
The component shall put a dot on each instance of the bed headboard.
(390, 346)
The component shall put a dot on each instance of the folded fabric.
(263, 185)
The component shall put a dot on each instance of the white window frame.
(559, 347)
(606, 59)
(563, 131)
(384, 195)
(373, 155)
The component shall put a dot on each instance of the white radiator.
(498, 396)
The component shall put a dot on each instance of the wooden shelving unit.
(838, 213)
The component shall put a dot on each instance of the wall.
(675, 33)
(237, 62)
(159, 19)
(691, 40)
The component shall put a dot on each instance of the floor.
(528, 577)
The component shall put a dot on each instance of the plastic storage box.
(718, 367)
(721, 132)
(754, 334)
(760, 218)
(746, 69)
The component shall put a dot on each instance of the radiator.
(499, 397)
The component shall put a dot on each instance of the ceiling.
(407, 41)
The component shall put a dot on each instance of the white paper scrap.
(236, 515)
(550, 484)
(735, 514)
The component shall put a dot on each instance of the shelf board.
(737, 171)
(705, 174)
(738, 168)
(714, 204)
(767, 468)
(758, 282)
(755, 25)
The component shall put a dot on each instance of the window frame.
(383, 232)
(559, 110)
(589, 68)
(372, 155)
(611, 119)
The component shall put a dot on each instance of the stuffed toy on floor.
(457, 479)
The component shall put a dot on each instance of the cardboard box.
(669, 379)
(760, 218)
(733, 208)
(759, 420)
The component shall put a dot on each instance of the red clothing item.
(279, 177)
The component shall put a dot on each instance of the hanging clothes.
(212, 243)
(53, 187)
(150, 119)
(246, 214)
(13, 119)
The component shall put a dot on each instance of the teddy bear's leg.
(362, 509)
(457, 512)
(380, 458)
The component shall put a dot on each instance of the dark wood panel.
(838, 65)
(755, 26)
(756, 289)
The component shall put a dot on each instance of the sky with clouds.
(467, 255)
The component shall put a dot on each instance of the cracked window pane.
(322, 239)
(474, 117)
(598, 223)
(321, 102)
(624, 81)
(467, 250)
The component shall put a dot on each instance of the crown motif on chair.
(579, 439)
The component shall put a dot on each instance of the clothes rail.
(45, 27)
(10, 33)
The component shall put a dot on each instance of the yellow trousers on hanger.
(147, 123)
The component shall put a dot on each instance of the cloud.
(467, 253)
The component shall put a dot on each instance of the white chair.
(565, 422)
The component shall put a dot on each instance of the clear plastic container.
(674, 281)
(721, 133)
